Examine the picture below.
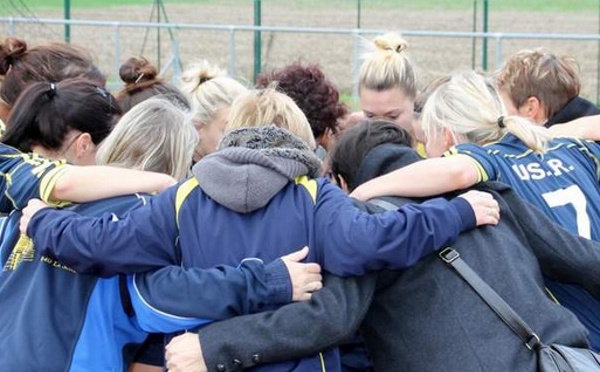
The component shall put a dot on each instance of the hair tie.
(104, 93)
(500, 122)
(52, 92)
(204, 79)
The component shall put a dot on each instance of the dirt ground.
(433, 56)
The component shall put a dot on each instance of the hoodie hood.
(253, 165)
(383, 159)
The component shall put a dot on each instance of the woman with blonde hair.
(262, 107)
(104, 320)
(387, 82)
(210, 93)
(560, 176)
(156, 135)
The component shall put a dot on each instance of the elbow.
(64, 187)
(463, 174)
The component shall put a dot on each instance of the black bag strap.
(451, 257)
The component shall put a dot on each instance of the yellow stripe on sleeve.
(48, 183)
(482, 175)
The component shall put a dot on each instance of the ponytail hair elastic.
(52, 92)
(500, 122)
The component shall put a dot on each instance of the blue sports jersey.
(564, 183)
(55, 319)
(25, 176)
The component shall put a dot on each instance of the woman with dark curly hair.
(314, 93)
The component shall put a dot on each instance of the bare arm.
(587, 127)
(424, 178)
(87, 183)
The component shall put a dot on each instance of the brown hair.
(553, 80)
(142, 82)
(20, 66)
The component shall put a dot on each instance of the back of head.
(388, 67)
(155, 135)
(371, 149)
(46, 112)
(314, 94)
(470, 107)
(424, 94)
(553, 80)
(257, 108)
(142, 82)
(208, 89)
(53, 62)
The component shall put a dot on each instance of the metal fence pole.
(355, 63)
(117, 48)
(176, 59)
(484, 51)
(231, 68)
(12, 30)
(498, 51)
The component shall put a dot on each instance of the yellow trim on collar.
(183, 191)
(310, 185)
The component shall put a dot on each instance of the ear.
(83, 145)
(326, 138)
(534, 110)
(4, 111)
(343, 184)
(449, 139)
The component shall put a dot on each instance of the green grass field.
(529, 5)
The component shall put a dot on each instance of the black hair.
(46, 112)
(353, 145)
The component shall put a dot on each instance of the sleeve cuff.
(278, 282)
(31, 227)
(465, 212)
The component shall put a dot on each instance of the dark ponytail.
(46, 112)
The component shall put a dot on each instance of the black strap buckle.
(449, 255)
(533, 343)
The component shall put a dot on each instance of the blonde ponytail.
(535, 137)
(471, 108)
(208, 89)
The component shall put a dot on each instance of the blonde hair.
(208, 89)
(553, 80)
(262, 107)
(470, 106)
(388, 67)
(155, 135)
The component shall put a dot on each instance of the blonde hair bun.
(199, 73)
(390, 42)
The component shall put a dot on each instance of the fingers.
(23, 223)
(485, 207)
(296, 256)
(306, 279)
(309, 290)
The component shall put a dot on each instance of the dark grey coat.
(427, 318)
